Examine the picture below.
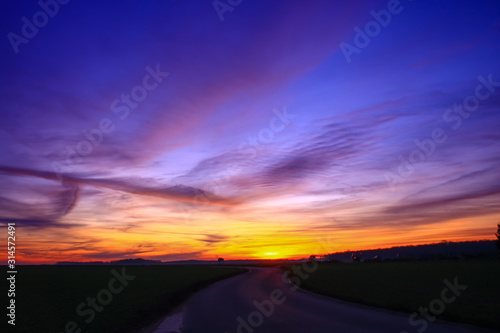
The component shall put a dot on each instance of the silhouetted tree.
(356, 257)
(220, 260)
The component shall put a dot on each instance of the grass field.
(406, 286)
(47, 297)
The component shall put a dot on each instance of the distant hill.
(140, 261)
(82, 263)
(137, 261)
(443, 250)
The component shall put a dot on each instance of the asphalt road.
(229, 306)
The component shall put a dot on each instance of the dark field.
(47, 297)
(406, 286)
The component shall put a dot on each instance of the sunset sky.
(182, 129)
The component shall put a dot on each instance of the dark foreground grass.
(406, 286)
(47, 297)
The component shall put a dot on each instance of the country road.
(262, 301)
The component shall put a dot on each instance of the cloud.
(46, 205)
(28, 205)
(179, 256)
(176, 193)
(213, 239)
(40, 223)
(444, 201)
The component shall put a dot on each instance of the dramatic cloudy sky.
(187, 130)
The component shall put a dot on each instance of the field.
(59, 298)
(406, 286)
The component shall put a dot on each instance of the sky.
(175, 130)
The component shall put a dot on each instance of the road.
(229, 306)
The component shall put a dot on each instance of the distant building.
(356, 257)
